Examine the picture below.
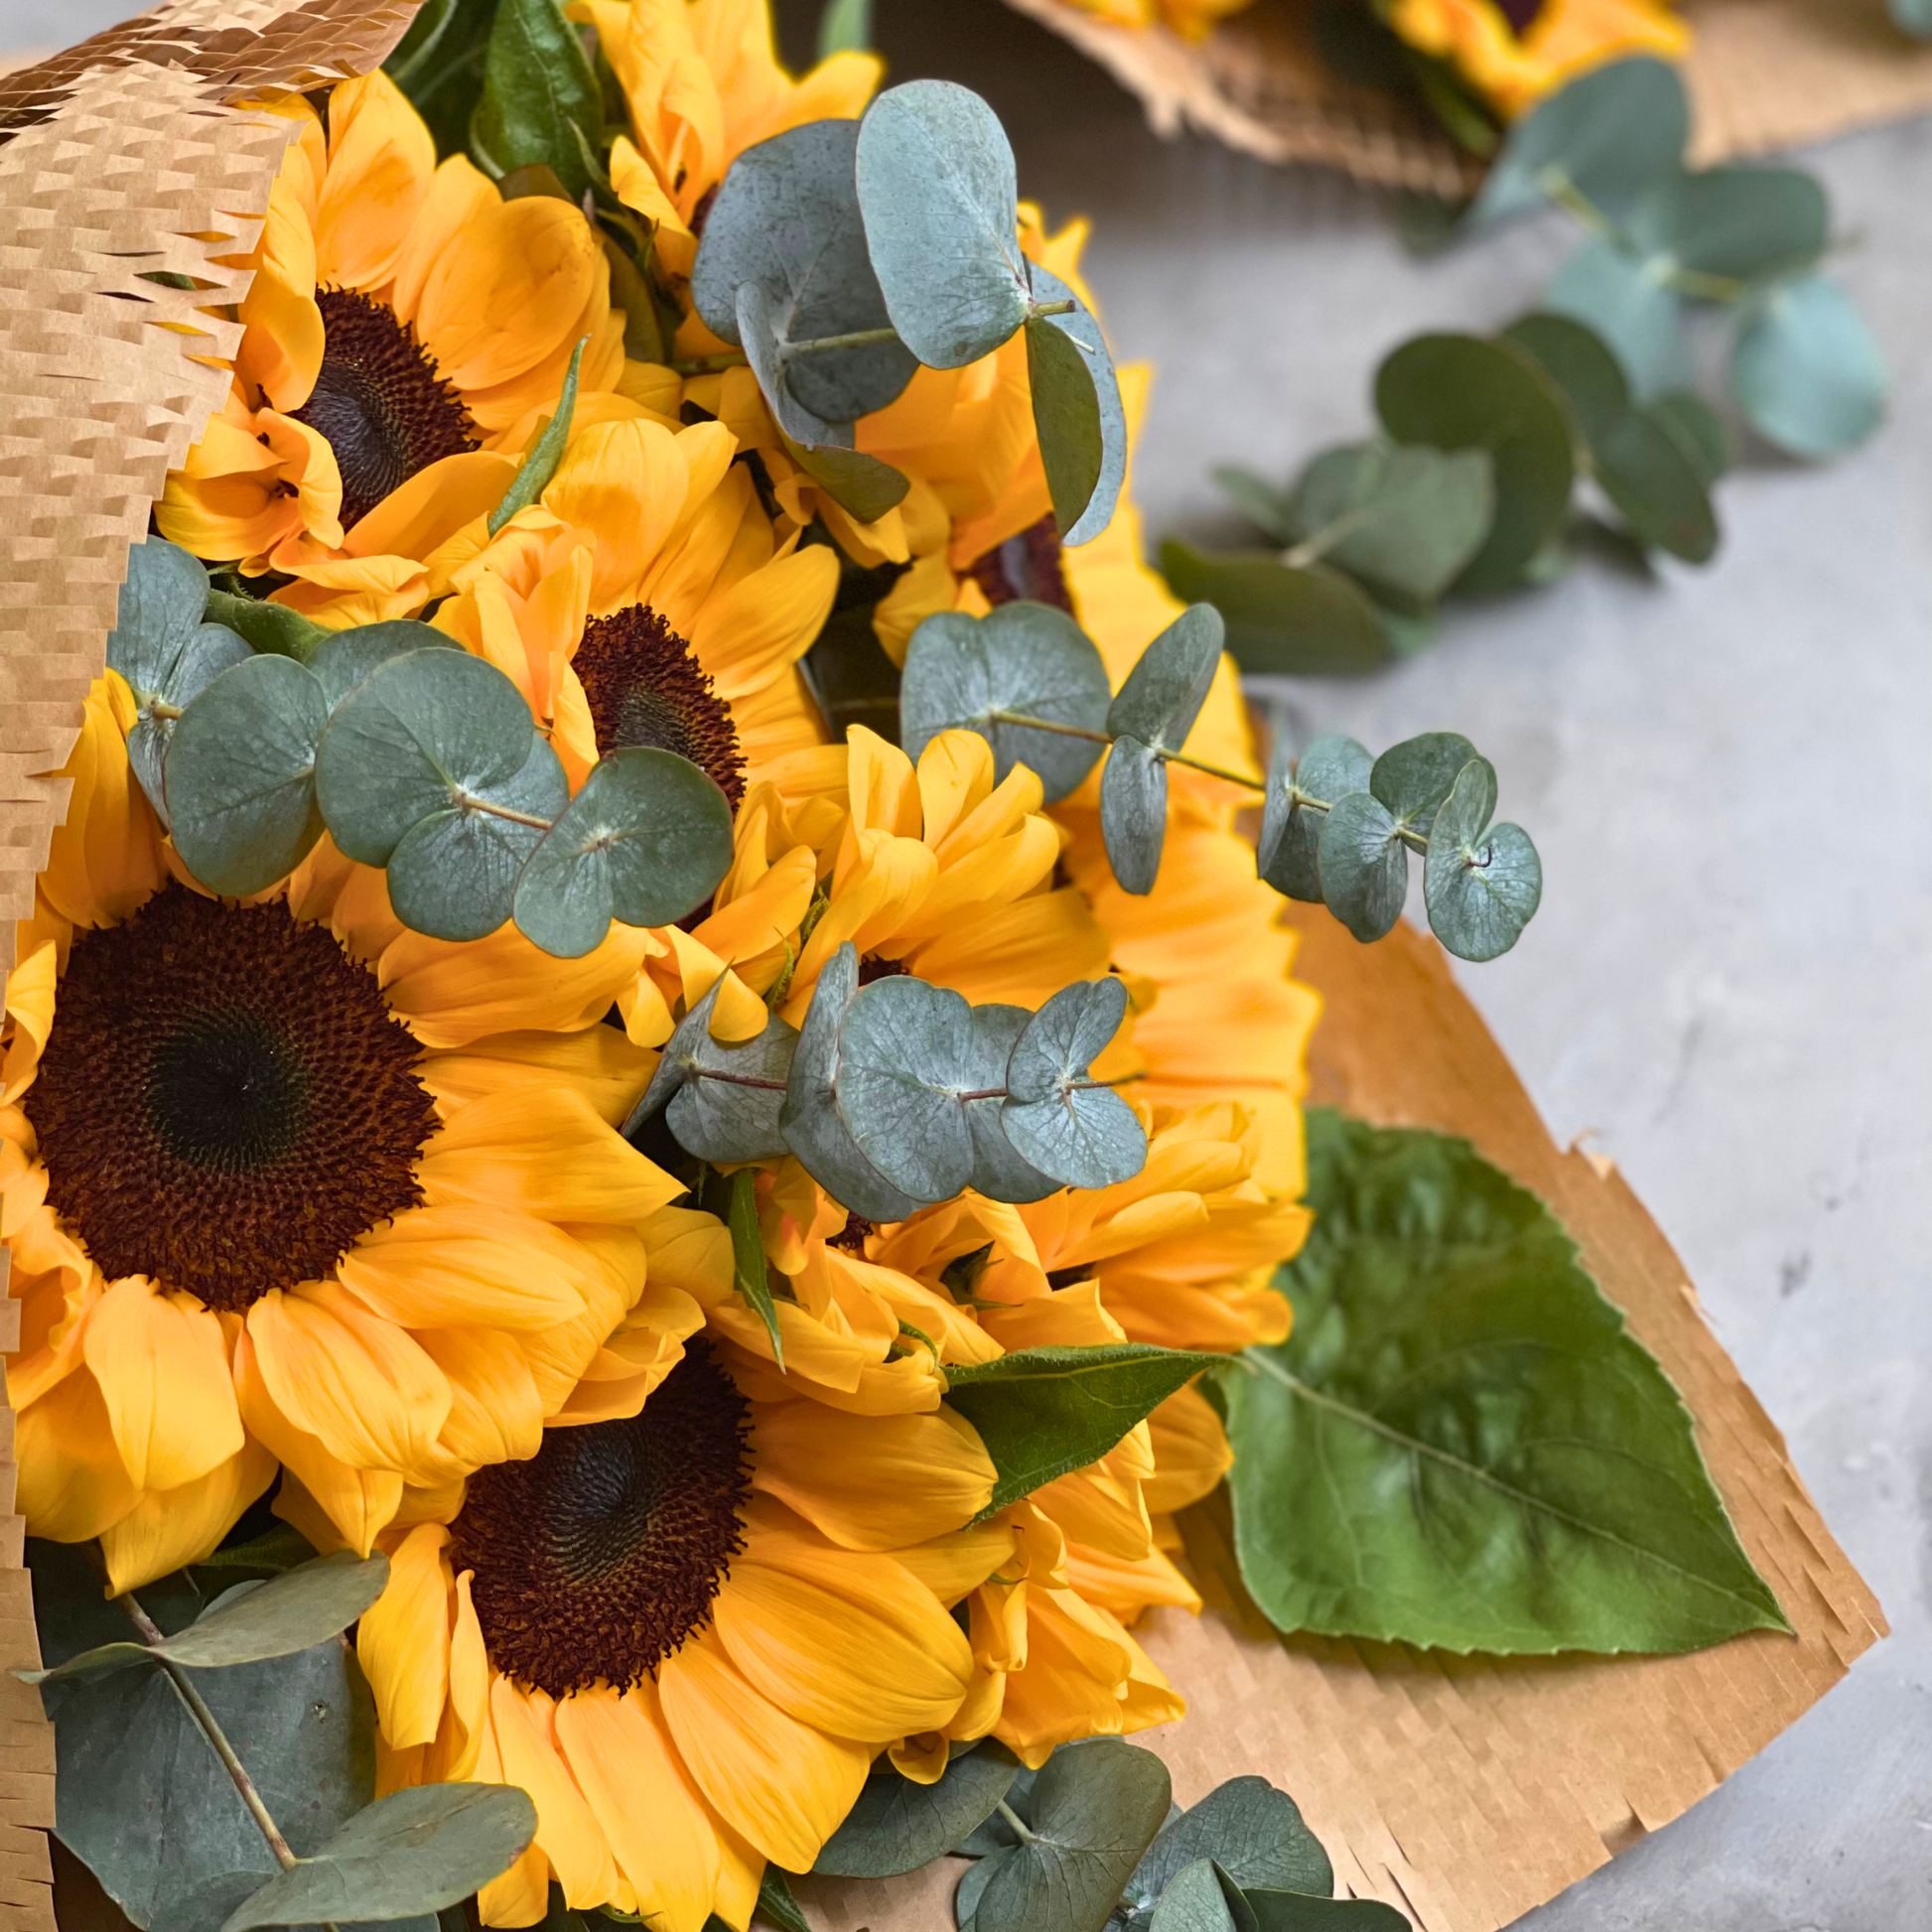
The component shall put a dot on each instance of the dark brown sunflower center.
(595, 1559)
(225, 1104)
(1027, 566)
(645, 687)
(1521, 14)
(379, 402)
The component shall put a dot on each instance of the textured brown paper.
(1468, 1789)
(1764, 75)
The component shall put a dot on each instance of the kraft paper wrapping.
(1764, 74)
(1465, 1790)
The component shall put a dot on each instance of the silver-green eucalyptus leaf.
(453, 873)
(1077, 410)
(1300, 793)
(162, 598)
(1253, 1831)
(211, 649)
(1414, 777)
(1263, 505)
(716, 1106)
(1201, 1899)
(1806, 371)
(1363, 866)
(1481, 883)
(1134, 813)
(1169, 682)
(1282, 620)
(905, 1056)
(644, 842)
(416, 1850)
(897, 1824)
(940, 197)
(345, 657)
(1639, 315)
(810, 1122)
(239, 777)
(961, 672)
(1294, 1911)
(998, 1171)
(1057, 1120)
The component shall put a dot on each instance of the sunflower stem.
(152, 1634)
(1031, 723)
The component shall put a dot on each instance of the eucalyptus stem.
(733, 359)
(151, 1634)
(1313, 549)
(1019, 1826)
(469, 802)
(1558, 186)
(1220, 772)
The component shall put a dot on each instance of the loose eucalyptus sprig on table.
(1472, 481)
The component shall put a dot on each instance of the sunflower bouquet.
(656, 1065)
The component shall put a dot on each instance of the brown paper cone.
(1468, 1789)
(1764, 75)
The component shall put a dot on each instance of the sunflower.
(685, 1633)
(285, 1182)
(644, 600)
(1514, 52)
(702, 83)
(403, 324)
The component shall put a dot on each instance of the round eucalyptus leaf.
(1458, 392)
(1264, 506)
(1740, 223)
(644, 842)
(1022, 657)
(1134, 813)
(731, 1117)
(1300, 793)
(1414, 777)
(787, 216)
(940, 201)
(1253, 1831)
(162, 601)
(345, 657)
(416, 1850)
(897, 1824)
(809, 1121)
(905, 1054)
(1364, 866)
(414, 736)
(1582, 365)
(1201, 1899)
(240, 775)
(281, 1615)
(1080, 1134)
(1805, 373)
(452, 875)
(1064, 1037)
(208, 651)
(1481, 883)
(1692, 425)
(1629, 303)
(1077, 411)
(998, 1171)
(1612, 134)
(1309, 623)
(1169, 682)
(1652, 479)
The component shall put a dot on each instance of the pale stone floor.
(1728, 773)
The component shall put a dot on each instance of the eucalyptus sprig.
(1337, 826)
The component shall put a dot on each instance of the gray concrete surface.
(1728, 773)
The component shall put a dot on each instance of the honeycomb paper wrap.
(1764, 74)
(1463, 1790)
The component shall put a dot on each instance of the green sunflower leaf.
(126, 1748)
(1280, 621)
(715, 1109)
(1081, 1134)
(898, 1825)
(1134, 813)
(1805, 373)
(1077, 410)
(1092, 1812)
(940, 197)
(1481, 883)
(240, 775)
(1404, 520)
(1293, 1911)
(1459, 392)
(788, 218)
(810, 1122)
(1332, 769)
(1028, 658)
(1201, 1897)
(644, 842)
(1612, 135)
(1044, 1412)
(749, 1275)
(906, 1058)
(539, 93)
(540, 461)
(1252, 1832)
(453, 873)
(1461, 1444)
(413, 1851)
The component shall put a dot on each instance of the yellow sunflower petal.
(73, 1484)
(402, 1641)
(600, 1063)
(171, 1528)
(380, 158)
(162, 1366)
(496, 1411)
(458, 1263)
(786, 1785)
(566, 1830)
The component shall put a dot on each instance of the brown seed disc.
(595, 1559)
(645, 687)
(1025, 566)
(379, 402)
(226, 1104)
